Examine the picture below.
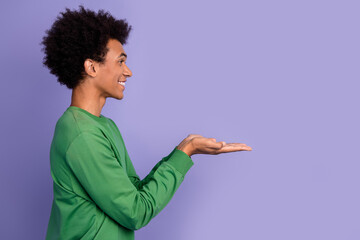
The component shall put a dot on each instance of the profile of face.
(110, 76)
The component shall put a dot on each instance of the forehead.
(115, 48)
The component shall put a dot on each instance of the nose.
(127, 71)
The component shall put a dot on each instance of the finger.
(241, 146)
(235, 148)
(236, 144)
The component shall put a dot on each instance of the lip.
(121, 85)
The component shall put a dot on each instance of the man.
(97, 193)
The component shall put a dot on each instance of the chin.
(119, 97)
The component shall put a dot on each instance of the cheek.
(109, 73)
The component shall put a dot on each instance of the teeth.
(122, 83)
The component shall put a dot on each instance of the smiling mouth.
(122, 83)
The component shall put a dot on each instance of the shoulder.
(73, 124)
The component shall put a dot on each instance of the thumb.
(220, 144)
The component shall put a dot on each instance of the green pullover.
(97, 193)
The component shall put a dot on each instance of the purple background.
(280, 76)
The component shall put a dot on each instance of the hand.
(197, 144)
(184, 145)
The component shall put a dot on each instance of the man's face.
(113, 71)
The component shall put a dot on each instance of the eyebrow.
(122, 54)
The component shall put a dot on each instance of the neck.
(88, 99)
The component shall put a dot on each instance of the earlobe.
(89, 67)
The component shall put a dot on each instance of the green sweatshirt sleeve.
(130, 203)
(134, 178)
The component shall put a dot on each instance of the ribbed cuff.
(180, 160)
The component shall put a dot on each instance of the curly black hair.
(76, 36)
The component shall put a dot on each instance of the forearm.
(134, 178)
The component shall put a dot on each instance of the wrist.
(187, 148)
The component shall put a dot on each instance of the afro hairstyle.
(76, 36)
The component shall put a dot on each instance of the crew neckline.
(102, 118)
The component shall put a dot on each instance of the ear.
(90, 67)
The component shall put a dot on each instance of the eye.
(121, 61)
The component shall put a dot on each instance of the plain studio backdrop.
(280, 76)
